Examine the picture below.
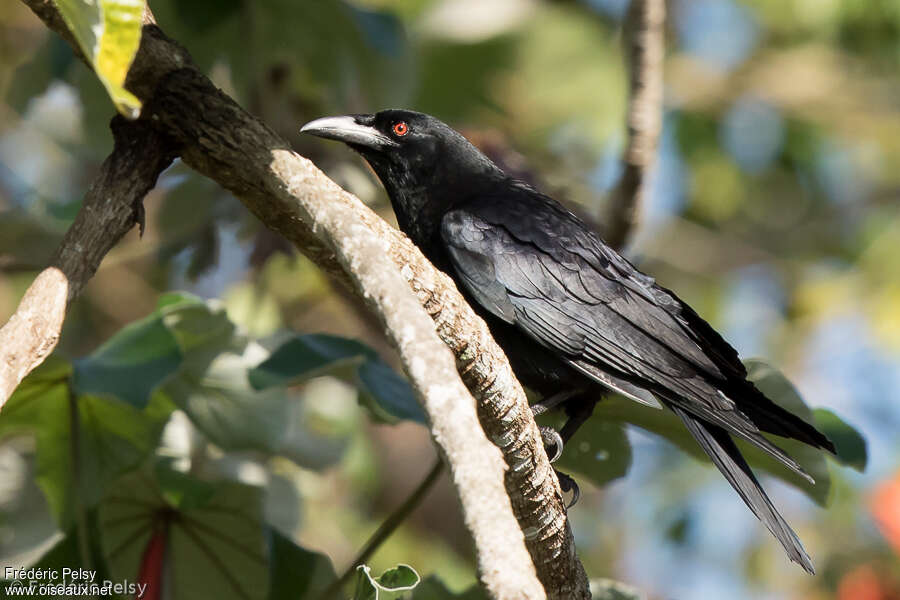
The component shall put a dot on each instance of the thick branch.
(646, 19)
(291, 196)
(107, 213)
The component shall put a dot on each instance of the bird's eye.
(400, 128)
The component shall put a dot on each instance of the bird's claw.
(551, 439)
(568, 484)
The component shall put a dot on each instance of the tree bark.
(646, 50)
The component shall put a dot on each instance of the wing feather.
(565, 290)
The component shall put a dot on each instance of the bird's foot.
(551, 402)
(568, 484)
(553, 442)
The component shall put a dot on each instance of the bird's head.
(419, 159)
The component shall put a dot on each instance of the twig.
(387, 528)
(646, 19)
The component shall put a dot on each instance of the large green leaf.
(214, 534)
(201, 329)
(180, 338)
(384, 388)
(392, 584)
(132, 363)
(108, 33)
(114, 436)
(233, 415)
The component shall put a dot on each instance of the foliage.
(108, 33)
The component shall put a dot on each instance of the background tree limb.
(645, 36)
(216, 137)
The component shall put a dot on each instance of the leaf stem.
(81, 520)
(387, 528)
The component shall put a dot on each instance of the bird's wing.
(531, 263)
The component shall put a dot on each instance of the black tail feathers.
(716, 442)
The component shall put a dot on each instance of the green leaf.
(221, 403)
(383, 388)
(391, 584)
(181, 337)
(305, 356)
(433, 588)
(215, 543)
(201, 329)
(849, 443)
(114, 437)
(108, 33)
(607, 589)
(600, 450)
(132, 363)
(296, 572)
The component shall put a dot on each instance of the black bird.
(575, 318)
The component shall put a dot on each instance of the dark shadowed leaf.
(849, 443)
(305, 356)
(295, 571)
(389, 391)
(25, 238)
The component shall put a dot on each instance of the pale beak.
(350, 129)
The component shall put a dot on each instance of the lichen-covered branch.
(646, 40)
(290, 195)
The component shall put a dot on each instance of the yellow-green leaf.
(108, 33)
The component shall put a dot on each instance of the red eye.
(400, 128)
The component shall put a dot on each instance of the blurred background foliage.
(774, 212)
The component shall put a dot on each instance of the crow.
(575, 318)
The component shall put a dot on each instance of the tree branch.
(109, 210)
(219, 139)
(646, 20)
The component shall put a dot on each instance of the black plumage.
(572, 314)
